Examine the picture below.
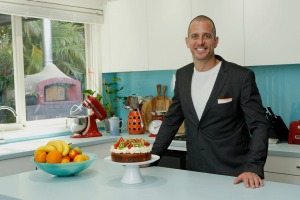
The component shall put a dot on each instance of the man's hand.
(250, 180)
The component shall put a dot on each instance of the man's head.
(204, 18)
(202, 39)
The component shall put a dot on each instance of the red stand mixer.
(89, 128)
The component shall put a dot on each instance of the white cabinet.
(142, 35)
(283, 169)
(125, 29)
(228, 18)
(272, 32)
(16, 165)
(168, 22)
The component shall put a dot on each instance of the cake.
(130, 150)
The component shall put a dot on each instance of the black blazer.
(231, 136)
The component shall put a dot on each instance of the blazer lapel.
(219, 84)
(188, 86)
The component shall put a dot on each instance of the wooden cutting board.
(158, 103)
(166, 101)
(146, 109)
(156, 100)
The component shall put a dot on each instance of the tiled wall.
(279, 87)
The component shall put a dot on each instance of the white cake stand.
(132, 174)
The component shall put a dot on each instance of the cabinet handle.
(298, 167)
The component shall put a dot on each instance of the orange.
(54, 156)
(65, 159)
(40, 156)
(79, 158)
(86, 156)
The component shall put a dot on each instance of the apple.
(80, 158)
(78, 149)
(73, 153)
(66, 159)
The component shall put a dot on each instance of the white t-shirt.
(202, 85)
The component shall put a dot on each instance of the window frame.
(93, 78)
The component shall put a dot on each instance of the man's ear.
(187, 42)
(216, 42)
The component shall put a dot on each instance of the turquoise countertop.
(26, 148)
(103, 181)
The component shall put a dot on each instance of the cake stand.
(132, 174)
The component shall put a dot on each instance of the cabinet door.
(272, 32)
(168, 22)
(282, 169)
(228, 18)
(127, 31)
(16, 166)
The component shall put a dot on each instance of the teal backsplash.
(279, 87)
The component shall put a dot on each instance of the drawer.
(283, 165)
(282, 178)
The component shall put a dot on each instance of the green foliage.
(68, 46)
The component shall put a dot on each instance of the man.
(222, 109)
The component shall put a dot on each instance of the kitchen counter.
(26, 148)
(102, 181)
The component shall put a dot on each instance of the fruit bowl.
(66, 169)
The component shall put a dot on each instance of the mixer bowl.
(77, 123)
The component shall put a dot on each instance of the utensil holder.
(136, 122)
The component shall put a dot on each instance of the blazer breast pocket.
(224, 100)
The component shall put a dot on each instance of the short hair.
(204, 18)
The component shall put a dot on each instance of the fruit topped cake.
(130, 150)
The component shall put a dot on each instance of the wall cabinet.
(283, 169)
(125, 31)
(272, 32)
(228, 18)
(141, 35)
(168, 22)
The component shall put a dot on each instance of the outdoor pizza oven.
(59, 90)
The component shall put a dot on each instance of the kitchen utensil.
(66, 169)
(77, 123)
(167, 101)
(160, 102)
(158, 115)
(157, 98)
(114, 126)
(91, 130)
(146, 110)
(154, 127)
(294, 133)
(135, 122)
(276, 123)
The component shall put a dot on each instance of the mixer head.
(98, 110)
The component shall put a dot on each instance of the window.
(7, 96)
(54, 67)
(44, 66)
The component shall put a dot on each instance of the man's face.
(201, 40)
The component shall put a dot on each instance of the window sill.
(33, 134)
